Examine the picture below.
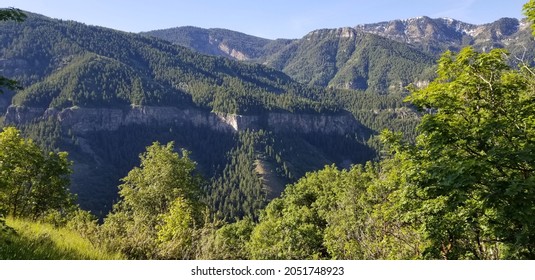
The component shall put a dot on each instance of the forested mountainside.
(339, 58)
(62, 63)
(232, 135)
(379, 59)
(352, 57)
(130, 80)
(221, 42)
(104, 95)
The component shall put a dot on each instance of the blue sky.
(266, 18)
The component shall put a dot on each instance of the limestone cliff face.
(85, 120)
(307, 123)
(22, 115)
(236, 54)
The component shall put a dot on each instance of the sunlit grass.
(40, 241)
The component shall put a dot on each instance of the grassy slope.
(38, 241)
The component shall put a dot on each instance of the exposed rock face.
(85, 120)
(444, 33)
(216, 41)
(328, 124)
(343, 32)
(21, 115)
(236, 54)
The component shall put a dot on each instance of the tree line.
(462, 189)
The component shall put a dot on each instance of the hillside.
(56, 61)
(347, 59)
(437, 35)
(29, 240)
(221, 42)
(339, 58)
(104, 95)
(352, 57)
(265, 150)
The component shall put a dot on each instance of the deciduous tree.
(32, 181)
(160, 206)
(472, 170)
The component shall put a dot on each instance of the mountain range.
(381, 57)
(255, 114)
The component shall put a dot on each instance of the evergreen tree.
(15, 15)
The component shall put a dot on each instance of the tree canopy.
(471, 169)
(16, 15)
(160, 207)
(32, 181)
(12, 14)
(463, 190)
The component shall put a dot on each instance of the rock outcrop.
(85, 120)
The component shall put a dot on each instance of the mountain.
(221, 42)
(56, 62)
(361, 57)
(339, 58)
(349, 59)
(437, 35)
(255, 113)
(104, 95)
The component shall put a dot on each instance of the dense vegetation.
(263, 163)
(31, 240)
(68, 64)
(347, 57)
(65, 64)
(360, 61)
(5, 15)
(34, 187)
(342, 58)
(214, 41)
(462, 191)
(33, 182)
(462, 188)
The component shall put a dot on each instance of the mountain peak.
(341, 32)
(443, 33)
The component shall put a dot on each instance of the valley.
(82, 80)
(403, 139)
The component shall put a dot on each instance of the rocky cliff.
(350, 58)
(437, 35)
(86, 120)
